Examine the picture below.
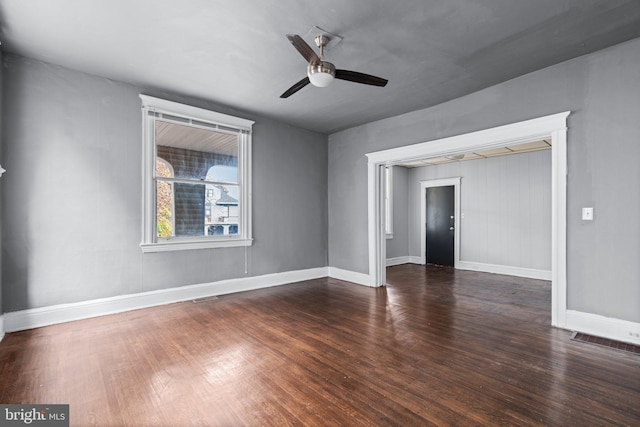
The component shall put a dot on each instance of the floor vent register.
(618, 345)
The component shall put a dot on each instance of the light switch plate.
(587, 214)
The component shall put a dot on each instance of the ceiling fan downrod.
(321, 42)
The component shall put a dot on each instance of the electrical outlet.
(587, 214)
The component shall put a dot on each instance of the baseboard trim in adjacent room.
(1, 327)
(604, 327)
(404, 260)
(38, 317)
(398, 260)
(530, 273)
(350, 276)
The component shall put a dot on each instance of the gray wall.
(505, 206)
(72, 201)
(399, 245)
(603, 93)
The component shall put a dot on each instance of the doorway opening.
(551, 127)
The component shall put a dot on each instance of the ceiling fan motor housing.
(321, 74)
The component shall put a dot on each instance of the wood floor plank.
(435, 347)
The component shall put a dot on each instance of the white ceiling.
(235, 53)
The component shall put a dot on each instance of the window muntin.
(197, 178)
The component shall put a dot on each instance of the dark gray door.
(440, 222)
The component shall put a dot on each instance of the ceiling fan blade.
(354, 76)
(305, 50)
(296, 87)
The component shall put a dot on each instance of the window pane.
(164, 209)
(223, 173)
(188, 209)
(184, 209)
(222, 205)
(196, 209)
(163, 169)
(192, 152)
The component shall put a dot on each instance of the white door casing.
(553, 126)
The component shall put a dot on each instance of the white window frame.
(152, 109)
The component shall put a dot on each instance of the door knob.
(450, 228)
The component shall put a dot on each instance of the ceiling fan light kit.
(321, 73)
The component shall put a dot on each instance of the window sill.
(182, 245)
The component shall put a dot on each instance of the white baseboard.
(350, 276)
(1, 327)
(605, 327)
(397, 261)
(530, 273)
(404, 260)
(37, 317)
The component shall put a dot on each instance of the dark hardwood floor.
(435, 347)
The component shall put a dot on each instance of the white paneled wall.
(505, 206)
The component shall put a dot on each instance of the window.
(388, 201)
(197, 178)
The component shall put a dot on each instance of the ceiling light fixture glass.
(321, 74)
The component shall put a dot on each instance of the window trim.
(212, 120)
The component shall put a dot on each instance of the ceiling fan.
(321, 73)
